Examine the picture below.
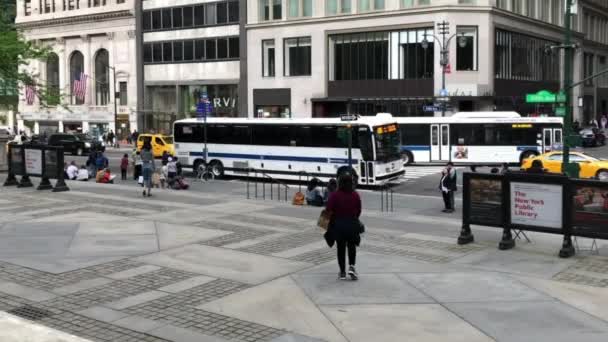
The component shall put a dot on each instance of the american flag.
(30, 94)
(80, 86)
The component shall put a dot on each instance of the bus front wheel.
(407, 158)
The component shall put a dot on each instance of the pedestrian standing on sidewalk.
(447, 185)
(345, 227)
(147, 159)
(124, 166)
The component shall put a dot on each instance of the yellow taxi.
(590, 167)
(160, 143)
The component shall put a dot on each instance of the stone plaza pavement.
(104, 264)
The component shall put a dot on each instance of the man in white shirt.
(83, 174)
(72, 171)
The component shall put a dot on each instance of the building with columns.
(93, 41)
(328, 57)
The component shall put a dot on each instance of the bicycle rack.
(281, 190)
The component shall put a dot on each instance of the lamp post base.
(466, 236)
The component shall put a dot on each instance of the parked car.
(590, 167)
(592, 136)
(96, 144)
(70, 142)
(160, 143)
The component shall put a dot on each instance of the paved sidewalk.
(105, 264)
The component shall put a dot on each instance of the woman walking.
(147, 159)
(345, 227)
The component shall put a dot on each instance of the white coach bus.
(288, 148)
(478, 138)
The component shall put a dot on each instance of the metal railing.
(278, 189)
(386, 198)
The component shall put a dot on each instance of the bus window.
(415, 134)
(434, 135)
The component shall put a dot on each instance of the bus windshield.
(387, 142)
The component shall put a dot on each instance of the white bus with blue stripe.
(478, 138)
(293, 148)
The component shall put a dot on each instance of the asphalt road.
(419, 180)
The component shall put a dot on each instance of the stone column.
(60, 126)
(36, 127)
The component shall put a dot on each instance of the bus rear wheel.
(407, 158)
(196, 167)
(217, 168)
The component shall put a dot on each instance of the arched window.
(52, 79)
(102, 77)
(76, 69)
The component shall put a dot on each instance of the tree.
(15, 54)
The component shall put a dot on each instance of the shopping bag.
(140, 180)
(324, 218)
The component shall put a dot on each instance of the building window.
(52, 79)
(531, 8)
(521, 57)
(268, 58)
(466, 48)
(123, 93)
(166, 18)
(588, 70)
(270, 10)
(97, 3)
(120, 1)
(334, 7)
(225, 48)
(76, 68)
(102, 78)
(407, 3)
(296, 56)
(177, 17)
(300, 8)
(370, 5)
(382, 55)
(27, 7)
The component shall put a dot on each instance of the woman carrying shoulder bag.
(345, 227)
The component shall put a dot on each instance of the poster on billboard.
(17, 160)
(537, 205)
(33, 162)
(485, 200)
(590, 209)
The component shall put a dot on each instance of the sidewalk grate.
(30, 312)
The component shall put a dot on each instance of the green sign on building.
(560, 111)
(542, 96)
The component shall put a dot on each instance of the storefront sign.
(537, 205)
(33, 162)
(590, 209)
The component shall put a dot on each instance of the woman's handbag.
(324, 218)
(361, 227)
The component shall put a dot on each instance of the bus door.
(440, 142)
(366, 164)
(552, 137)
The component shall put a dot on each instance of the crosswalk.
(414, 172)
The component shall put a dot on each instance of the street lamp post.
(115, 97)
(444, 45)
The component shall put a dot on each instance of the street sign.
(348, 117)
(561, 97)
(431, 108)
(542, 96)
